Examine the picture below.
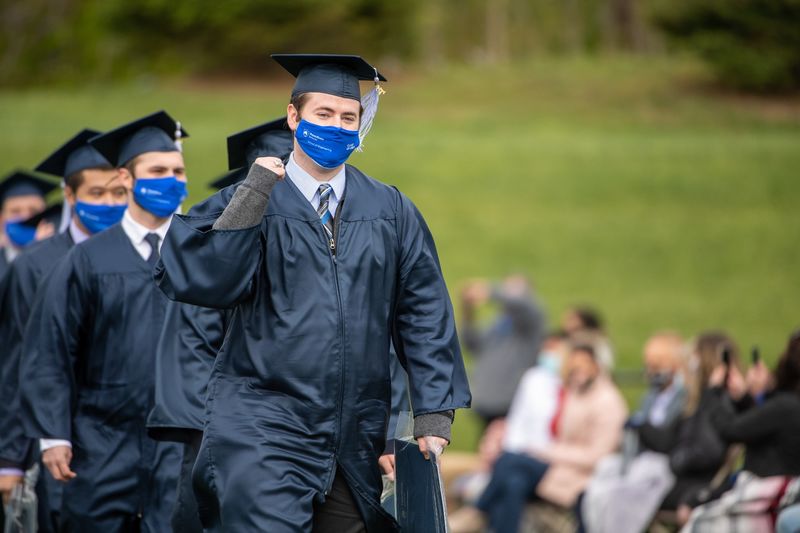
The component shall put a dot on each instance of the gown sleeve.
(203, 264)
(59, 316)
(424, 331)
(210, 268)
(15, 446)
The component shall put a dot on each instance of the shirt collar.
(137, 232)
(77, 234)
(308, 185)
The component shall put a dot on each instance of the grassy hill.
(630, 184)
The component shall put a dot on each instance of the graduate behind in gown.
(96, 200)
(191, 335)
(22, 196)
(321, 270)
(87, 377)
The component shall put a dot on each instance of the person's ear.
(292, 117)
(70, 196)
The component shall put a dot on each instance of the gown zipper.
(335, 262)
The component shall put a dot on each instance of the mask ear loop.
(369, 104)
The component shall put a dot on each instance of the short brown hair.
(298, 101)
(130, 165)
(75, 180)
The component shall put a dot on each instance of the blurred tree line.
(57, 41)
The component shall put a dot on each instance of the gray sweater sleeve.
(249, 202)
(433, 424)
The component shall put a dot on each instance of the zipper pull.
(333, 246)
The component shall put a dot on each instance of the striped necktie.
(323, 211)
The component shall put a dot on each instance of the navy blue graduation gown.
(23, 278)
(87, 376)
(301, 386)
(20, 285)
(189, 342)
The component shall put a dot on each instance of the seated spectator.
(644, 476)
(587, 425)
(762, 412)
(666, 396)
(528, 422)
(695, 450)
(504, 351)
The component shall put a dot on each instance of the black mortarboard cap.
(24, 183)
(273, 139)
(153, 133)
(328, 73)
(73, 156)
(229, 178)
(52, 214)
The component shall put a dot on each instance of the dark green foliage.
(751, 44)
(42, 41)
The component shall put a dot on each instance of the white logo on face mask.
(351, 146)
(153, 192)
(305, 133)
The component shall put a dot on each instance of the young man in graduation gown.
(88, 371)
(95, 200)
(22, 196)
(338, 263)
(191, 335)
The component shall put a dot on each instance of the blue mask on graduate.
(160, 196)
(19, 234)
(328, 146)
(97, 217)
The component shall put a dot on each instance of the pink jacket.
(590, 428)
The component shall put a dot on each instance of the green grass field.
(625, 183)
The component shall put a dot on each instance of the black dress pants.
(339, 513)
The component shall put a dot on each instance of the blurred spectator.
(666, 396)
(682, 453)
(762, 412)
(586, 426)
(581, 318)
(528, 422)
(696, 452)
(503, 352)
(585, 319)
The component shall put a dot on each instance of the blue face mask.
(19, 234)
(328, 146)
(551, 362)
(160, 196)
(97, 217)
